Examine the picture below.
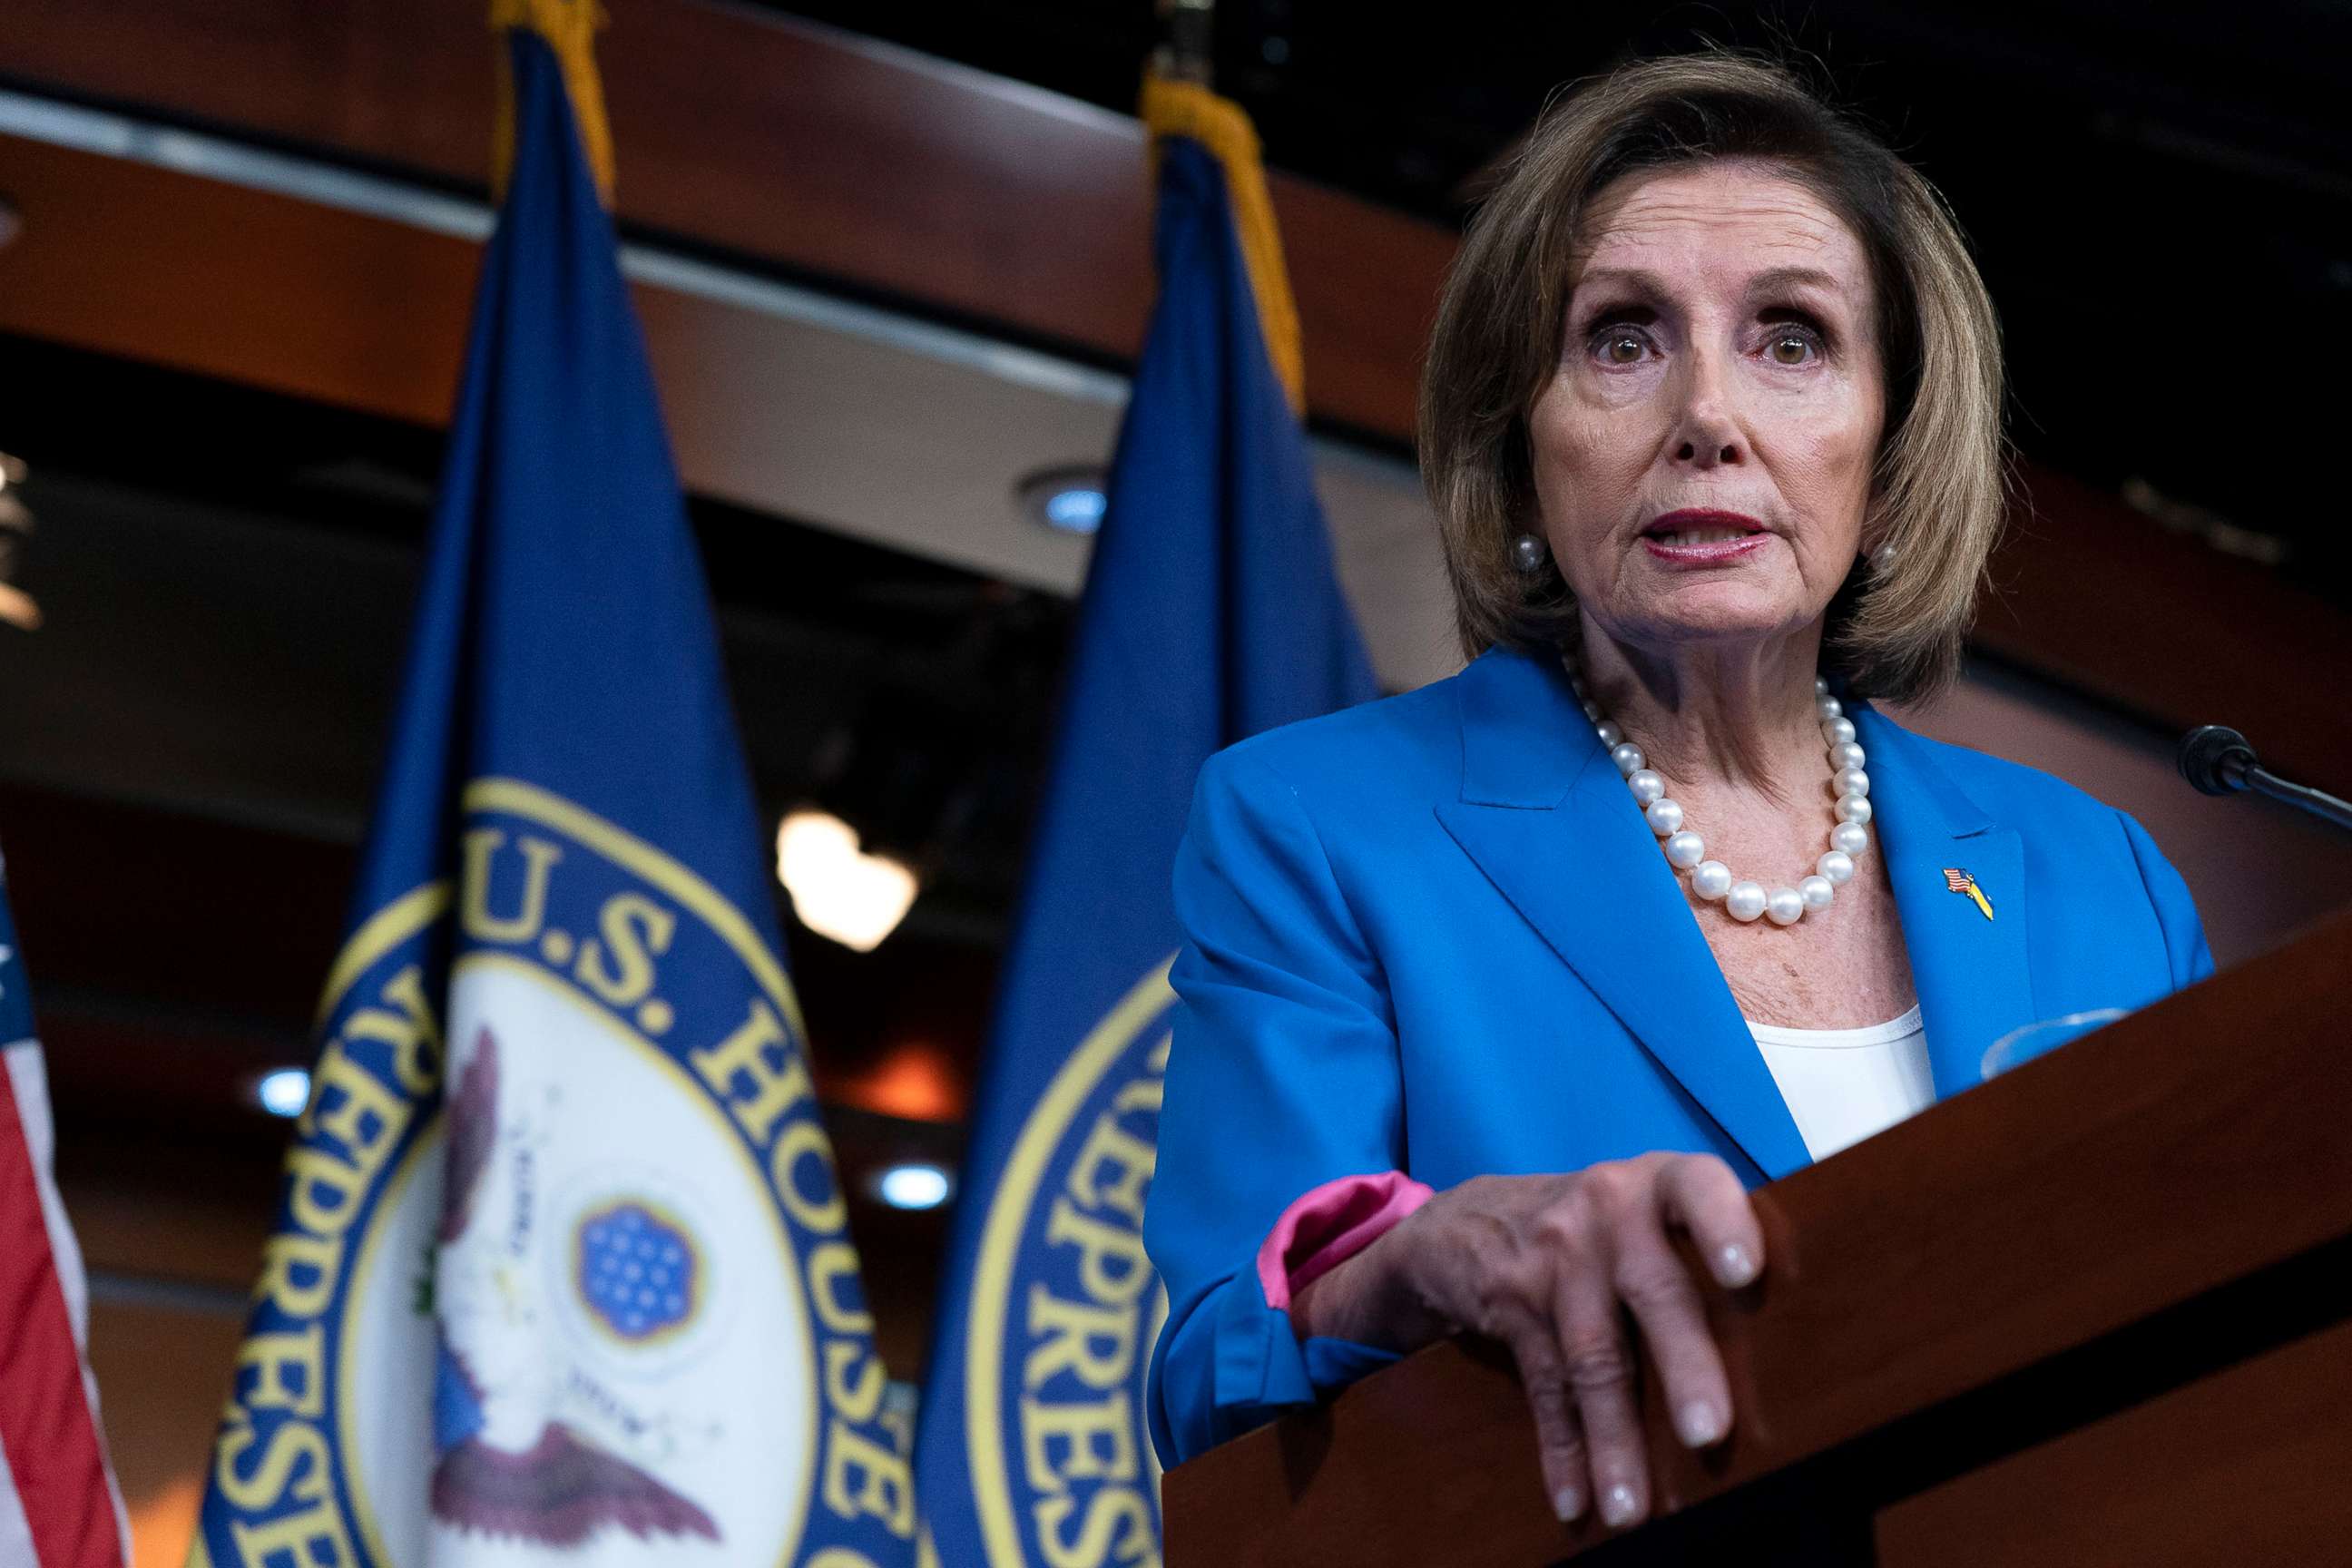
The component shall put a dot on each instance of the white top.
(1842, 1084)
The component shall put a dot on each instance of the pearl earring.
(1528, 553)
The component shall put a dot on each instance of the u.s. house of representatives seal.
(1066, 1309)
(564, 1275)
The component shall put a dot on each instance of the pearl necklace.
(1712, 880)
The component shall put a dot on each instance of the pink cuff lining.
(1328, 1226)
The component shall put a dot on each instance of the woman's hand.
(1543, 1264)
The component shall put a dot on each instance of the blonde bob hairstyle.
(1896, 626)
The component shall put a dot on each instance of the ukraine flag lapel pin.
(1961, 881)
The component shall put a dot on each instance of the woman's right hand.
(1544, 1264)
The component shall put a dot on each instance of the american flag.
(59, 1505)
(1964, 882)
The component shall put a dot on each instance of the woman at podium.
(1490, 988)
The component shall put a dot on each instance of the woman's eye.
(1790, 348)
(1620, 348)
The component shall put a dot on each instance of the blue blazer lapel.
(1972, 971)
(1545, 815)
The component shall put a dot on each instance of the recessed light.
(1068, 500)
(284, 1092)
(914, 1184)
(1075, 510)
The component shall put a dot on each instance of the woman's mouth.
(1694, 537)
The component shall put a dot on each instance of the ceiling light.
(16, 608)
(915, 1184)
(838, 889)
(914, 1081)
(284, 1092)
(1078, 510)
(1067, 500)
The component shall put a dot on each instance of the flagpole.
(1179, 99)
(1183, 52)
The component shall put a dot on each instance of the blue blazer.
(1433, 934)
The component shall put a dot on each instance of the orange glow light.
(914, 1081)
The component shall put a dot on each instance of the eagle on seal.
(502, 1466)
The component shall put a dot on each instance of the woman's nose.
(1705, 435)
(1702, 450)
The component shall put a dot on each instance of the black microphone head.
(2214, 758)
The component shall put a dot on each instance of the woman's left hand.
(1552, 1266)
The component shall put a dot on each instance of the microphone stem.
(2318, 803)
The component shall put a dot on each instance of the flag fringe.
(570, 28)
(1187, 108)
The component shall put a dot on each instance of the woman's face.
(1703, 453)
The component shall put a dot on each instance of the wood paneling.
(2248, 1467)
(147, 264)
(801, 147)
(2099, 598)
(161, 1375)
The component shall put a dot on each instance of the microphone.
(2214, 759)
(2217, 759)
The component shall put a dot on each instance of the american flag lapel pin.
(1960, 881)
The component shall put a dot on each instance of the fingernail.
(1734, 1266)
(1568, 1502)
(1620, 1507)
(1700, 1424)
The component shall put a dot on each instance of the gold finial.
(570, 28)
(1175, 106)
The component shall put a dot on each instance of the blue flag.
(1211, 612)
(562, 1270)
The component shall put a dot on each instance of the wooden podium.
(2097, 1312)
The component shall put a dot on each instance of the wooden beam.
(801, 147)
(143, 263)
